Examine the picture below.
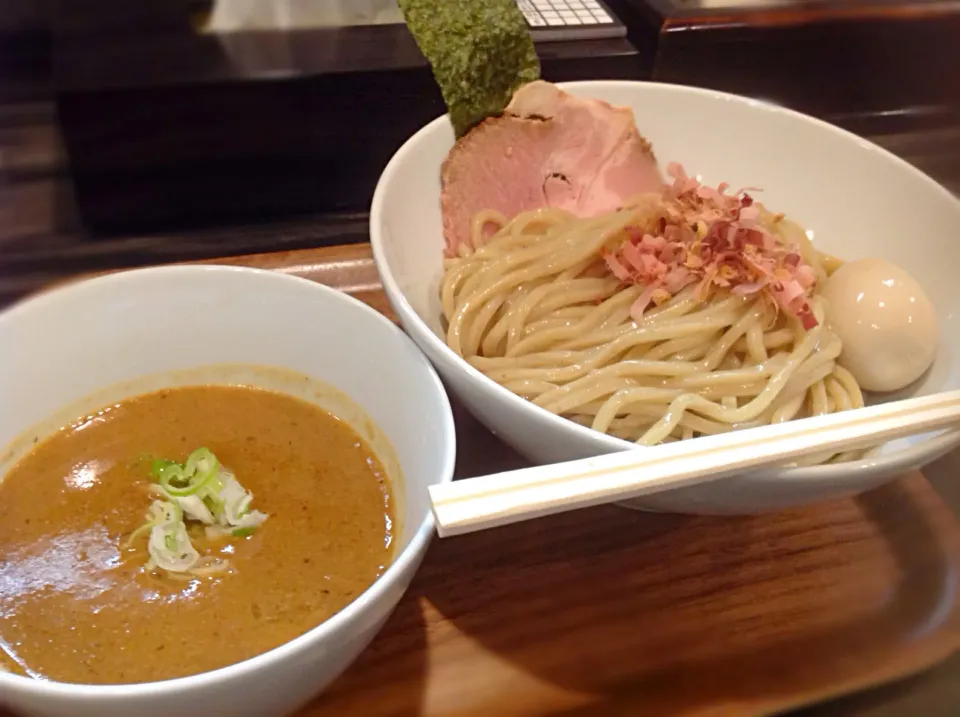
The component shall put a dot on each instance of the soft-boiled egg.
(888, 326)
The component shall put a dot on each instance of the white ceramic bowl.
(858, 199)
(92, 337)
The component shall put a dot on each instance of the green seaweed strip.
(480, 51)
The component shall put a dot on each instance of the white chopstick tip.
(435, 502)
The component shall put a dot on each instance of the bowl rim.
(337, 624)
(852, 471)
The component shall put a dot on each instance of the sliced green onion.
(200, 490)
(202, 463)
(169, 545)
(157, 465)
(160, 512)
(174, 474)
(177, 512)
(201, 468)
(139, 533)
(213, 502)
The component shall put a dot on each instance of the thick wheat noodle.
(546, 300)
(533, 308)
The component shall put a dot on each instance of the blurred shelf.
(169, 128)
(837, 59)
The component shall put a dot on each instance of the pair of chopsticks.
(502, 498)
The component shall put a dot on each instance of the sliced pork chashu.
(548, 149)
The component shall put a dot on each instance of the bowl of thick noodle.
(558, 331)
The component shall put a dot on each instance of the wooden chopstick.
(501, 498)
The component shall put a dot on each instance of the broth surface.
(77, 605)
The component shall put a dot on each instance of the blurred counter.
(182, 113)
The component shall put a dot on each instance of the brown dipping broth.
(76, 604)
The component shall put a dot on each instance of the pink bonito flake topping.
(708, 237)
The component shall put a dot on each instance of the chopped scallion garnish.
(201, 490)
(199, 471)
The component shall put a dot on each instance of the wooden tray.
(612, 612)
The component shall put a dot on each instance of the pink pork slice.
(549, 149)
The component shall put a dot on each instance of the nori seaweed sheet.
(480, 50)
